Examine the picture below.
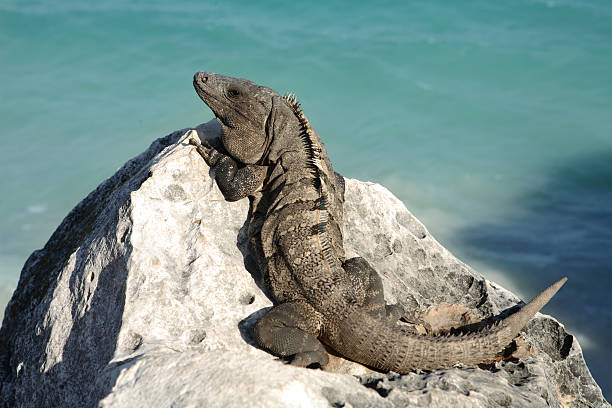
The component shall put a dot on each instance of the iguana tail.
(362, 338)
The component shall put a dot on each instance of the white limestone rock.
(146, 296)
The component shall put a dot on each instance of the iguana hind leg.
(371, 284)
(374, 302)
(290, 330)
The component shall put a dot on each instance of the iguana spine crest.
(313, 149)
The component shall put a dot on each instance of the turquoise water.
(492, 121)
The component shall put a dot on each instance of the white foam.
(37, 209)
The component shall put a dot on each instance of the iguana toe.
(310, 359)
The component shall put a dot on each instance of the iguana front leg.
(235, 180)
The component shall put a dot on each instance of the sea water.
(492, 121)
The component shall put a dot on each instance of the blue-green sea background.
(492, 121)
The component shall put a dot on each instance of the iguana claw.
(204, 149)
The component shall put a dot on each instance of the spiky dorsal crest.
(307, 134)
(314, 150)
(292, 100)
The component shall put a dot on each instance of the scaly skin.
(272, 155)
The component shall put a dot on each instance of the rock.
(146, 295)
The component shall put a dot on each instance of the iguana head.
(243, 109)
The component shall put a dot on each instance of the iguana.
(270, 153)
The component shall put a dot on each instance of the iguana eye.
(233, 92)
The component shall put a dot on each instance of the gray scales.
(271, 154)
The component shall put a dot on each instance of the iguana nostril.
(204, 78)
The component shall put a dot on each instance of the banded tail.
(364, 339)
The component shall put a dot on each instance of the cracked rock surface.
(146, 295)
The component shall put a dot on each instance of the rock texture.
(146, 296)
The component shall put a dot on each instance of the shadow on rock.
(63, 321)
